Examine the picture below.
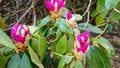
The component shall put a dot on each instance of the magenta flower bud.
(54, 5)
(71, 20)
(83, 41)
(69, 15)
(81, 44)
(19, 33)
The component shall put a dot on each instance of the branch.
(88, 18)
(116, 10)
(87, 8)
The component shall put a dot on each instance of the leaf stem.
(60, 55)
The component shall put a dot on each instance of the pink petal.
(61, 4)
(69, 15)
(49, 5)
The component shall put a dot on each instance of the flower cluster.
(81, 44)
(20, 33)
(55, 7)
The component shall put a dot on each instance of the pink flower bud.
(54, 5)
(83, 42)
(71, 20)
(19, 33)
(69, 15)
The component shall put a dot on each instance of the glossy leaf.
(98, 58)
(14, 62)
(35, 58)
(111, 3)
(63, 25)
(43, 22)
(70, 46)
(2, 24)
(3, 60)
(100, 6)
(115, 15)
(64, 60)
(39, 45)
(106, 44)
(64, 12)
(78, 65)
(61, 45)
(90, 28)
(100, 18)
(94, 29)
(78, 17)
(5, 40)
(25, 62)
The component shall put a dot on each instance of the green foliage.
(2, 24)
(97, 58)
(105, 44)
(5, 40)
(90, 28)
(61, 45)
(78, 17)
(35, 59)
(43, 22)
(62, 24)
(64, 60)
(25, 62)
(3, 60)
(111, 3)
(38, 44)
(14, 62)
(100, 18)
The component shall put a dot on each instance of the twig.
(87, 8)
(105, 26)
(24, 14)
(116, 10)
(88, 18)
(34, 13)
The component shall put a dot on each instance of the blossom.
(71, 20)
(55, 7)
(20, 33)
(81, 44)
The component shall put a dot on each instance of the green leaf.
(98, 59)
(25, 62)
(70, 46)
(109, 4)
(2, 24)
(106, 44)
(58, 33)
(39, 45)
(3, 60)
(5, 40)
(94, 29)
(43, 22)
(100, 6)
(100, 18)
(115, 15)
(90, 28)
(78, 17)
(63, 25)
(78, 65)
(64, 12)
(76, 32)
(94, 13)
(61, 45)
(48, 32)
(14, 62)
(34, 57)
(64, 60)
